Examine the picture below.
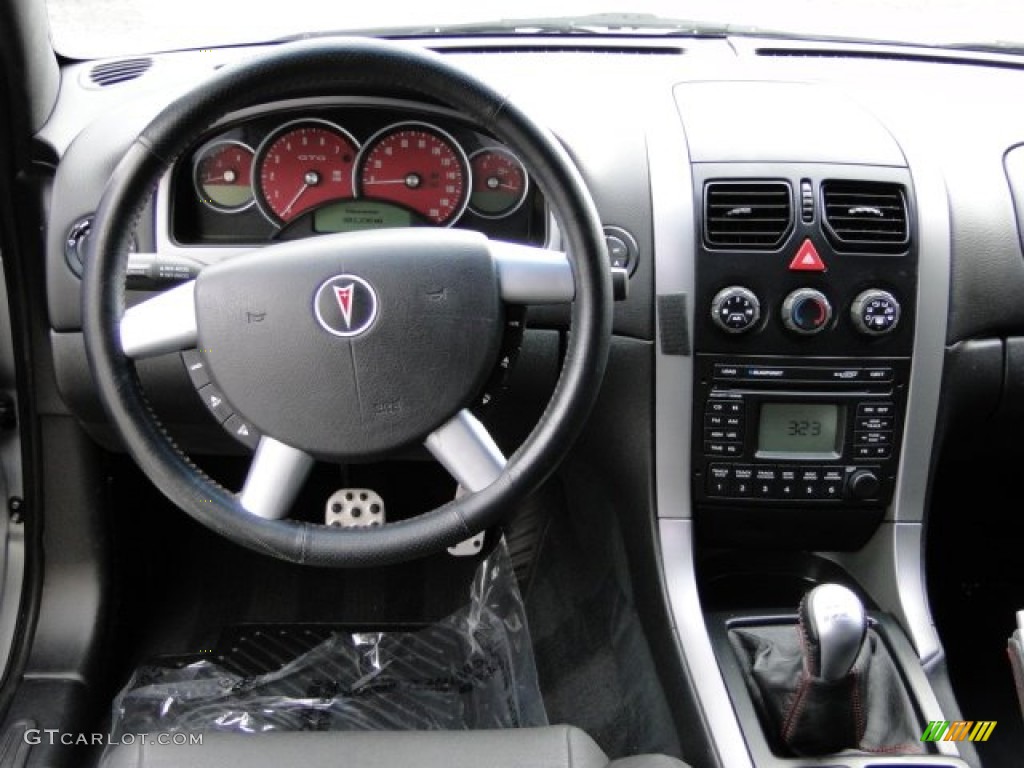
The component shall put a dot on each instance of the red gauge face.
(499, 183)
(303, 165)
(418, 167)
(223, 176)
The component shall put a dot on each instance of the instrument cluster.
(293, 174)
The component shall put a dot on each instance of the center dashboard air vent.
(121, 71)
(744, 215)
(865, 216)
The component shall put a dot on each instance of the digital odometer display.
(799, 430)
(355, 215)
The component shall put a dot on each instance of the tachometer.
(223, 176)
(417, 166)
(302, 165)
(500, 183)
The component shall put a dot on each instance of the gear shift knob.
(835, 626)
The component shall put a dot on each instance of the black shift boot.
(826, 685)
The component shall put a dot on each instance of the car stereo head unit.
(797, 431)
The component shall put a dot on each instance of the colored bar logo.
(958, 730)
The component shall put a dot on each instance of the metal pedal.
(355, 508)
(471, 546)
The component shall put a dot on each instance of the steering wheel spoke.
(164, 323)
(529, 275)
(275, 478)
(466, 449)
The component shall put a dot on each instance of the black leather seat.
(552, 747)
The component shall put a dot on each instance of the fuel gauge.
(500, 183)
(223, 176)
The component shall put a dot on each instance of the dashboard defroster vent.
(120, 71)
(865, 216)
(747, 215)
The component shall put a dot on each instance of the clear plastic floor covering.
(472, 670)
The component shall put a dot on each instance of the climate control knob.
(806, 311)
(875, 312)
(735, 309)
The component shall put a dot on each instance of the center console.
(812, 257)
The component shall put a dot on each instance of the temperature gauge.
(500, 183)
(223, 176)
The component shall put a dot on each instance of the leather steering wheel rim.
(343, 67)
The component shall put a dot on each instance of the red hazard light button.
(807, 259)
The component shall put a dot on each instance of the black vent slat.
(747, 215)
(865, 216)
(121, 71)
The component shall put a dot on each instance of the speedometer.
(417, 166)
(301, 166)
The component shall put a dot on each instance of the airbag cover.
(354, 344)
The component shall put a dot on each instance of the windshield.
(98, 28)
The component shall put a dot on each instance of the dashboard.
(800, 120)
(822, 240)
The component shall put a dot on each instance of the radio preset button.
(765, 482)
(742, 482)
(719, 476)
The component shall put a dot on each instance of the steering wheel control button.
(345, 305)
(807, 259)
(875, 312)
(216, 403)
(806, 311)
(622, 248)
(196, 367)
(355, 508)
(242, 431)
(735, 309)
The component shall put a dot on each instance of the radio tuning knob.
(735, 309)
(863, 484)
(875, 312)
(806, 311)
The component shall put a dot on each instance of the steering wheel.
(346, 347)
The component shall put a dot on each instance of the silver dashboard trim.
(674, 235)
(892, 564)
